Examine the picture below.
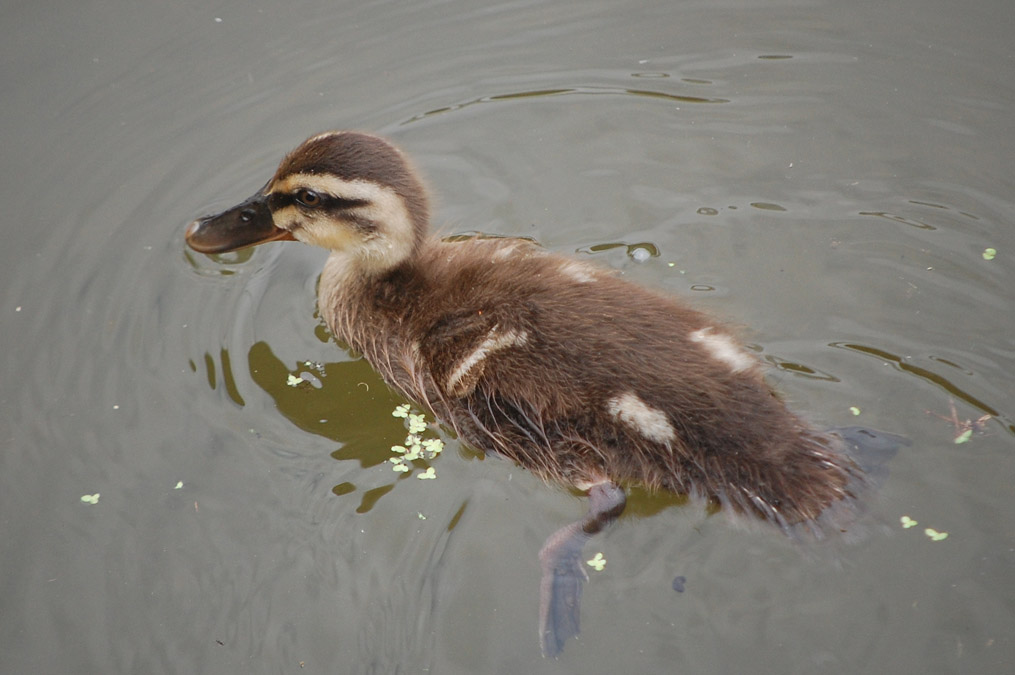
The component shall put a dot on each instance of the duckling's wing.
(458, 344)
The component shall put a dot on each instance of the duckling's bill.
(246, 224)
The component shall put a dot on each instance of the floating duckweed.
(853, 409)
(963, 437)
(179, 484)
(989, 253)
(433, 445)
(315, 365)
(933, 534)
(597, 563)
(414, 446)
(414, 449)
(90, 499)
(417, 424)
(293, 380)
(419, 514)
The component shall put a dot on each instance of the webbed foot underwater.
(580, 377)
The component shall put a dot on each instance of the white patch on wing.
(493, 342)
(650, 422)
(724, 349)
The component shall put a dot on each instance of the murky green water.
(828, 176)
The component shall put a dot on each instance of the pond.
(195, 477)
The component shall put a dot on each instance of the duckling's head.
(345, 191)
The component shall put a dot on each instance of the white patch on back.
(650, 422)
(723, 348)
(579, 272)
(504, 252)
(493, 342)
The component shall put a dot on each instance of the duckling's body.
(580, 377)
(583, 378)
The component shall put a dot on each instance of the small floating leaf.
(413, 448)
(429, 474)
(597, 563)
(179, 484)
(417, 424)
(293, 380)
(964, 436)
(400, 468)
(907, 522)
(989, 253)
(419, 514)
(90, 499)
(401, 411)
(433, 446)
(853, 409)
(935, 535)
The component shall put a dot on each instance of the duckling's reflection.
(344, 402)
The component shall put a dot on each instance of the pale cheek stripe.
(327, 184)
(491, 344)
(723, 348)
(641, 417)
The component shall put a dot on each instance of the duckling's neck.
(350, 284)
(346, 272)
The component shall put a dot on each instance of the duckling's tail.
(870, 451)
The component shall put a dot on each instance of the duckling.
(581, 377)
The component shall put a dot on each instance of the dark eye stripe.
(329, 203)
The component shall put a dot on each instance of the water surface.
(828, 176)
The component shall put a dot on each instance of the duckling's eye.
(308, 197)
